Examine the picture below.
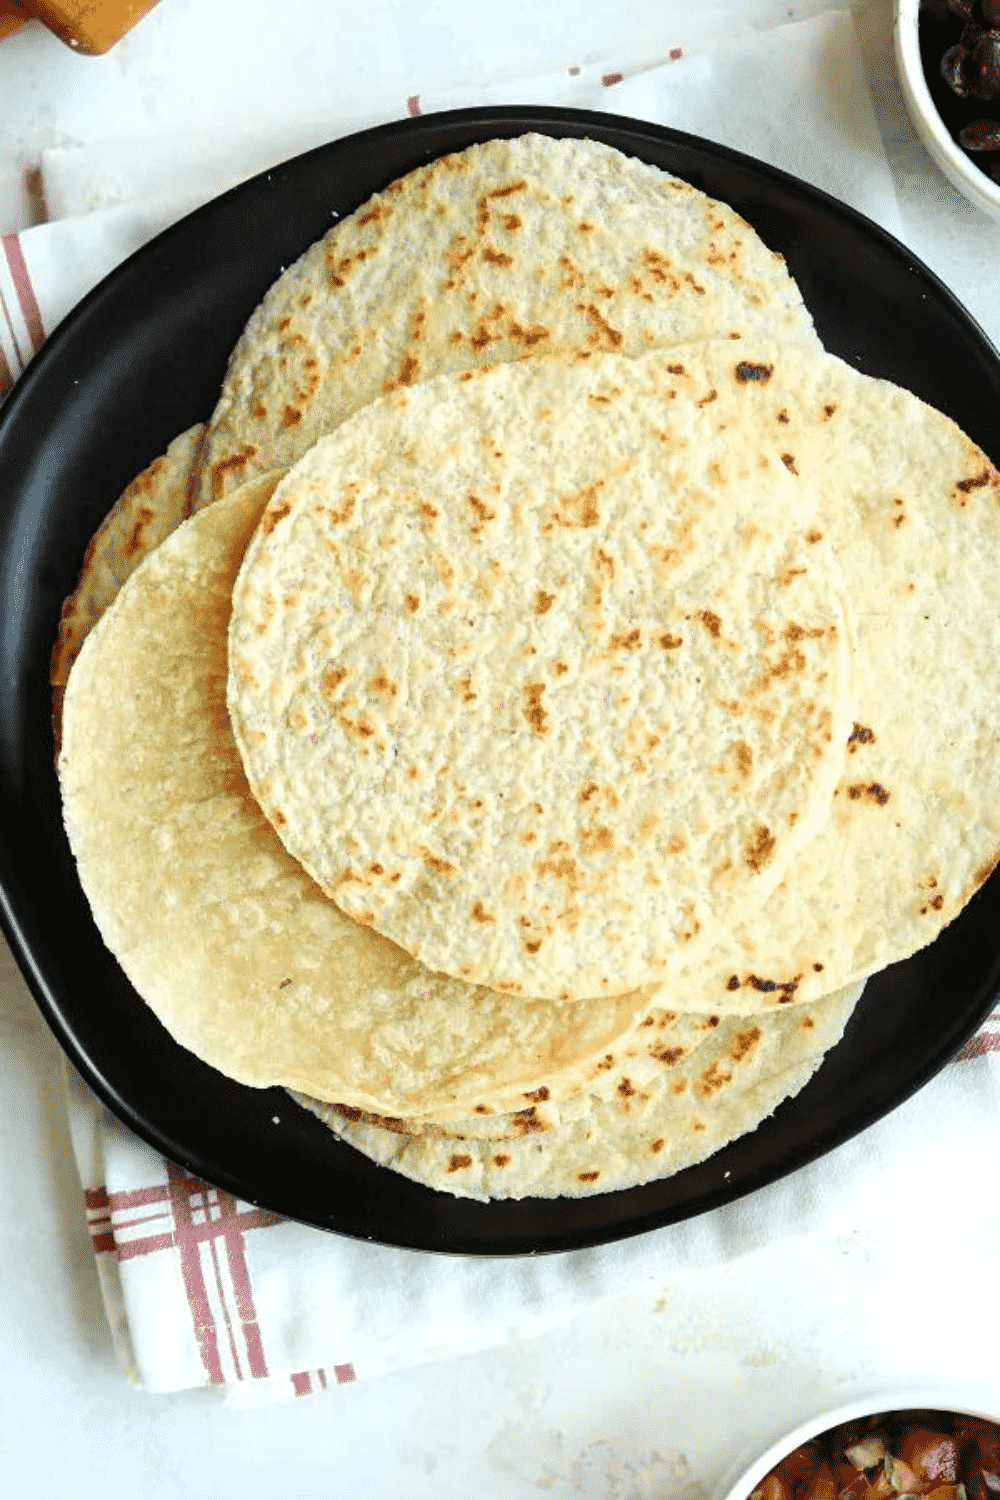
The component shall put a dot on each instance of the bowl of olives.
(948, 56)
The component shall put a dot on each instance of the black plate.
(140, 360)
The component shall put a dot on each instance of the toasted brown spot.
(587, 1176)
(630, 642)
(813, 536)
(975, 483)
(759, 847)
(480, 914)
(595, 840)
(580, 510)
(786, 988)
(500, 1160)
(871, 791)
(711, 622)
(526, 1122)
(481, 510)
(561, 867)
(707, 400)
(860, 735)
(512, 187)
(412, 603)
(436, 863)
(512, 221)
(668, 1056)
(788, 459)
(733, 982)
(603, 327)
(783, 416)
(678, 843)
(543, 602)
(744, 758)
(497, 257)
(236, 463)
(533, 710)
(746, 371)
(829, 410)
(331, 681)
(711, 1081)
(671, 642)
(384, 686)
(745, 1043)
(458, 1162)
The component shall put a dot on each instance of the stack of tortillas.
(568, 684)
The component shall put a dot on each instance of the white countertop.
(624, 1401)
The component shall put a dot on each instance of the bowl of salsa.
(887, 1451)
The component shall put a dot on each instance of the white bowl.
(976, 186)
(745, 1475)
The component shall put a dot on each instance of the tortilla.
(909, 505)
(223, 934)
(148, 509)
(704, 1086)
(541, 672)
(512, 248)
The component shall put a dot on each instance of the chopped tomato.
(899, 1454)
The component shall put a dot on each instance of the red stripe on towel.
(25, 291)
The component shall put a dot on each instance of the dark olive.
(983, 69)
(955, 71)
(981, 135)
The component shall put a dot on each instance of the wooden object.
(90, 26)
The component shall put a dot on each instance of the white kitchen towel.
(203, 1290)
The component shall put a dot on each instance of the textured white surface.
(655, 1393)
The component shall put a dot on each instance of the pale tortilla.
(703, 1086)
(911, 508)
(543, 671)
(512, 248)
(148, 509)
(220, 930)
